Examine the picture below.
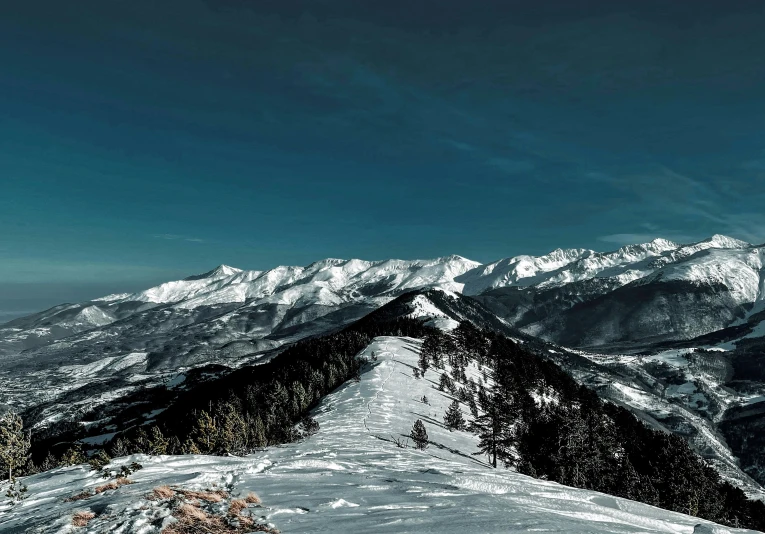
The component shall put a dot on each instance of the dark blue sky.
(143, 141)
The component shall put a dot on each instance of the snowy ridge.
(351, 477)
(329, 279)
(334, 283)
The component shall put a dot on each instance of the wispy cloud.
(632, 239)
(695, 203)
(176, 237)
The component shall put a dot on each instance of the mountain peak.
(663, 243)
(724, 241)
(221, 271)
(456, 258)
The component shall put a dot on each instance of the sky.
(147, 141)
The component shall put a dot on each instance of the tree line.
(532, 416)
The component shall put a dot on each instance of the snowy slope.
(351, 477)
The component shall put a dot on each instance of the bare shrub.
(252, 498)
(112, 485)
(209, 496)
(192, 519)
(163, 492)
(82, 518)
(79, 497)
(236, 506)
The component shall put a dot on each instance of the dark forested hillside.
(531, 415)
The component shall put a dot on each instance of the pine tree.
(431, 351)
(73, 456)
(493, 426)
(141, 442)
(99, 460)
(120, 448)
(257, 430)
(206, 433)
(419, 435)
(232, 431)
(14, 443)
(445, 383)
(174, 445)
(424, 362)
(50, 462)
(158, 443)
(190, 447)
(453, 419)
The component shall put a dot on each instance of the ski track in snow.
(382, 388)
(345, 478)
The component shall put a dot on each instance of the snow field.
(351, 477)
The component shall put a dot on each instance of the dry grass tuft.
(81, 519)
(191, 513)
(209, 496)
(236, 506)
(79, 497)
(113, 485)
(252, 498)
(193, 520)
(163, 492)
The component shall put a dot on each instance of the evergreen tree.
(431, 351)
(14, 443)
(73, 456)
(206, 433)
(174, 445)
(424, 362)
(232, 430)
(157, 442)
(419, 435)
(49, 462)
(120, 448)
(499, 411)
(453, 419)
(258, 433)
(99, 460)
(190, 447)
(445, 383)
(141, 442)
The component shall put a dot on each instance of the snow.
(177, 380)
(351, 477)
(107, 363)
(695, 405)
(332, 284)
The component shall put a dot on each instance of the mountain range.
(674, 332)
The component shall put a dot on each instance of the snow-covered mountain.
(634, 296)
(349, 477)
(62, 363)
(647, 292)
